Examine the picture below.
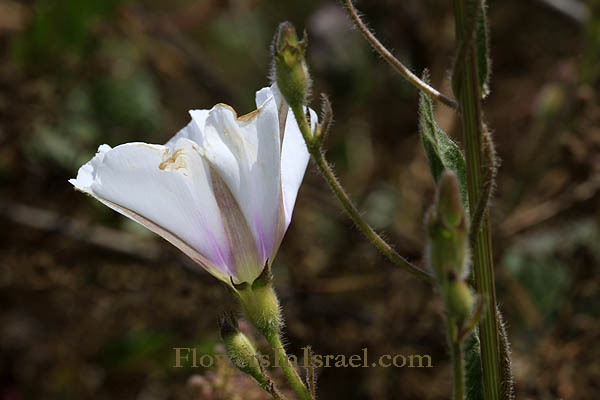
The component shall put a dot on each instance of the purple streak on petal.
(223, 259)
(265, 241)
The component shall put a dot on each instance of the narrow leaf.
(473, 373)
(507, 386)
(441, 151)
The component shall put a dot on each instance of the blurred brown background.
(91, 305)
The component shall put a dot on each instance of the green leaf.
(483, 54)
(473, 373)
(441, 151)
(507, 389)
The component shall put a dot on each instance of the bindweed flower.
(222, 190)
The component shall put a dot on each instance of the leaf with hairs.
(507, 385)
(473, 373)
(441, 151)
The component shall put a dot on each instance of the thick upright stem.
(469, 97)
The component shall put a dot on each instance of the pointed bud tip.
(227, 325)
(240, 350)
(289, 66)
(286, 36)
(265, 277)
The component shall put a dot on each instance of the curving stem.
(314, 147)
(393, 61)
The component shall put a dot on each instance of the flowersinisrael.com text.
(190, 358)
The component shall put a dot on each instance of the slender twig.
(528, 216)
(78, 229)
(393, 61)
(364, 227)
(314, 147)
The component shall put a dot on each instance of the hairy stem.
(393, 61)
(288, 369)
(469, 96)
(485, 193)
(273, 391)
(314, 147)
(365, 228)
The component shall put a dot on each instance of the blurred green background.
(91, 305)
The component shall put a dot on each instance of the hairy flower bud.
(448, 231)
(458, 299)
(289, 66)
(449, 203)
(240, 350)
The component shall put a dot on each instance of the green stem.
(457, 360)
(314, 147)
(393, 61)
(288, 369)
(469, 97)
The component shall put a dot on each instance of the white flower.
(222, 190)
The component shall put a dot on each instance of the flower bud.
(458, 299)
(289, 66)
(447, 231)
(450, 207)
(240, 350)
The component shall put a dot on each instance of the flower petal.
(294, 160)
(246, 263)
(193, 131)
(167, 190)
(245, 152)
(294, 154)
